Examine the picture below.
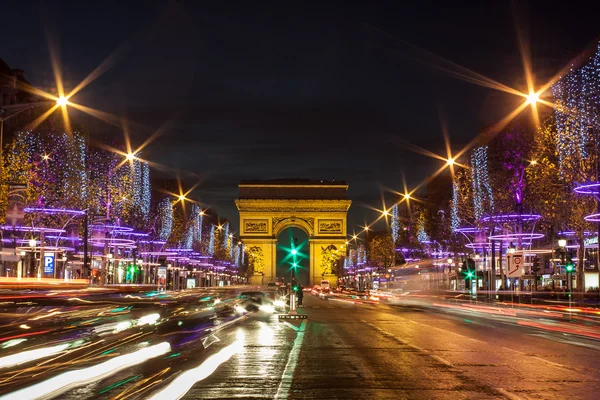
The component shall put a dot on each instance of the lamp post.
(562, 243)
(20, 269)
(32, 243)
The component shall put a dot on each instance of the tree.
(381, 252)
(553, 187)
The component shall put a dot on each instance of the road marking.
(412, 346)
(508, 394)
(288, 373)
(435, 357)
(536, 357)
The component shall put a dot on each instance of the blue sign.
(49, 263)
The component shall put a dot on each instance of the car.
(255, 302)
(325, 294)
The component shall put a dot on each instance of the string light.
(211, 241)
(454, 218)
(165, 218)
(395, 224)
(225, 232)
(482, 190)
(577, 95)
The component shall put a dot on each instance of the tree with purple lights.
(509, 158)
(553, 186)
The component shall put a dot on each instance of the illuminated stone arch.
(267, 208)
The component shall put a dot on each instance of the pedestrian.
(300, 294)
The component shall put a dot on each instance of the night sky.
(264, 90)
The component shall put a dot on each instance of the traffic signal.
(569, 259)
(470, 275)
(536, 264)
(570, 267)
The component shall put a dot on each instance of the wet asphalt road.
(344, 350)
(349, 351)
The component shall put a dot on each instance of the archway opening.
(293, 259)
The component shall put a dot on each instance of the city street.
(361, 351)
(345, 349)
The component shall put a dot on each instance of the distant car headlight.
(239, 309)
(267, 308)
(279, 303)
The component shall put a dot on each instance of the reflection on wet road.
(197, 346)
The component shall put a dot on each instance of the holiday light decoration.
(225, 231)
(141, 185)
(362, 255)
(186, 237)
(165, 218)
(235, 258)
(242, 254)
(196, 223)
(482, 190)
(211, 241)
(422, 236)
(454, 218)
(577, 114)
(395, 224)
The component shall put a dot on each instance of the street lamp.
(32, 244)
(562, 243)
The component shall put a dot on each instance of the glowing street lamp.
(562, 242)
(532, 98)
(130, 156)
(182, 197)
(450, 161)
(62, 101)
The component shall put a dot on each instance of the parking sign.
(49, 263)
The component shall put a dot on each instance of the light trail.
(64, 382)
(31, 355)
(184, 382)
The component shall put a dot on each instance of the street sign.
(49, 263)
(514, 265)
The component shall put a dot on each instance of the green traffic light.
(470, 274)
(294, 251)
(570, 267)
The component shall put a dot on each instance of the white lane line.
(288, 373)
(536, 357)
(414, 347)
(508, 394)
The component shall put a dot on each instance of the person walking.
(300, 295)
